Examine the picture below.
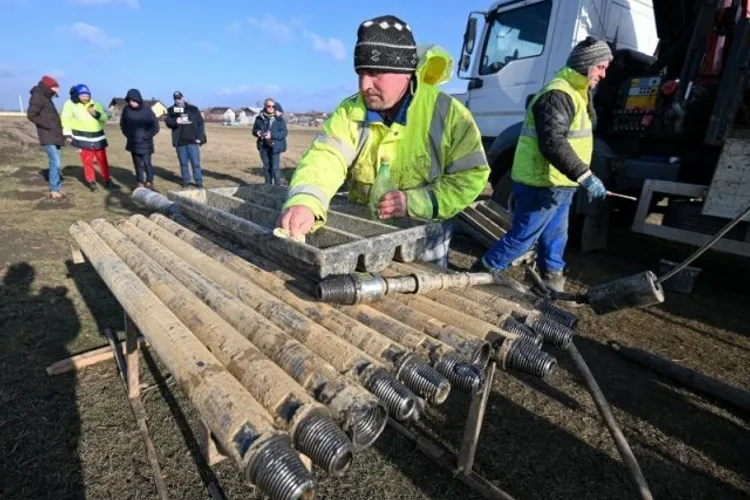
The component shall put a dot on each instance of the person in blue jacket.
(270, 130)
(188, 135)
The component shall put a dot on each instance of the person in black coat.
(270, 129)
(139, 125)
(43, 113)
(188, 135)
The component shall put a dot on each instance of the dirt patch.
(59, 204)
(17, 136)
(22, 195)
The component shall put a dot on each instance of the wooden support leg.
(128, 368)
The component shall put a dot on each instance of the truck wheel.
(502, 185)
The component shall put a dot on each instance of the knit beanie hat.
(385, 43)
(587, 53)
(49, 82)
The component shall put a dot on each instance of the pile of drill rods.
(451, 319)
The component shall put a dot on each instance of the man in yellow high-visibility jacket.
(428, 138)
(552, 159)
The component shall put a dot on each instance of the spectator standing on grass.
(83, 126)
(43, 113)
(270, 129)
(188, 135)
(139, 125)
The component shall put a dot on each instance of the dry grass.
(73, 436)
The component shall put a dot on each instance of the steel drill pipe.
(547, 320)
(240, 424)
(308, 422)
(418, 376)
(343, 356)
(359, 412)
(501, 340)
(456, 367)
(519, 358)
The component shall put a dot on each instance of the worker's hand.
(594, 187)
(297, 219)
(92, 111)
(393, 204)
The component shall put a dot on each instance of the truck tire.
(502, 185)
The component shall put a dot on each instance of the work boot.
(556, 281)
(110, 185)
(150, 185)
(93, 187)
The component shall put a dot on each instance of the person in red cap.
(42, 112)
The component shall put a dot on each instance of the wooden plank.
(729, 193)
(87, 358)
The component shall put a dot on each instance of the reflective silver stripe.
(471, 160)
(572, 134)
(89, 139)
(435, 138)
(338, 144)
(311, 190)
(364, 133)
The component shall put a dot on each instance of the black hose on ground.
(606, 412)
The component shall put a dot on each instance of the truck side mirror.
(470, 35)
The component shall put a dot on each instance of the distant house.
(247, 116)
(219, 114)
(117, 104)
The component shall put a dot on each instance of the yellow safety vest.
(86, 131)
(436, 156)
(529, 166)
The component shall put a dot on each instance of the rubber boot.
(556, 281)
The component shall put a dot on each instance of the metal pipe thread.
(279, 473)
(525, 333)
(553, 332)
(339, 289)
(478, 353)
(561, 316)
(366, 425)
(462, 374)
(529, 359)
(399, 400)
(424, 380)
(318, 437)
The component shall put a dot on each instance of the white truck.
(672, 120)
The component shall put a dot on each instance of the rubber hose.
(606, 412)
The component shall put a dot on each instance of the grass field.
(73, 436)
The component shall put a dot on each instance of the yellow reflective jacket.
(86, 130)
(435, 155)
(530, 167)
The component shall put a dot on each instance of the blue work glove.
(594, 187)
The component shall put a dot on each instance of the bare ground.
(72, 436)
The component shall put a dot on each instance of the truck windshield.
(515, 34)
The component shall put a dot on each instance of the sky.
(220, 52)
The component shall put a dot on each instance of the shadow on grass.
(39, 417)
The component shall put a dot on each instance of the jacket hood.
(134, 95)
(41, 88)
(435, 65)
(573, 77)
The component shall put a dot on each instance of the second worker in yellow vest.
(552, 159)
(428, 138)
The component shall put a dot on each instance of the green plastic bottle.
(381, 186)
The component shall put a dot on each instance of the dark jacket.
(277, 126)
(43, 113)
(553, 115)
(138, 125)
(186, 133)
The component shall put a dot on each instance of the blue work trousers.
(190, 153)
(540, 216)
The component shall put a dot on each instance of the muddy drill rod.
(342, 333)
(308, 422)
(346, 358)
(239, 423)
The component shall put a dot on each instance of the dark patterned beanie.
(385, 43)
(587, 53)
